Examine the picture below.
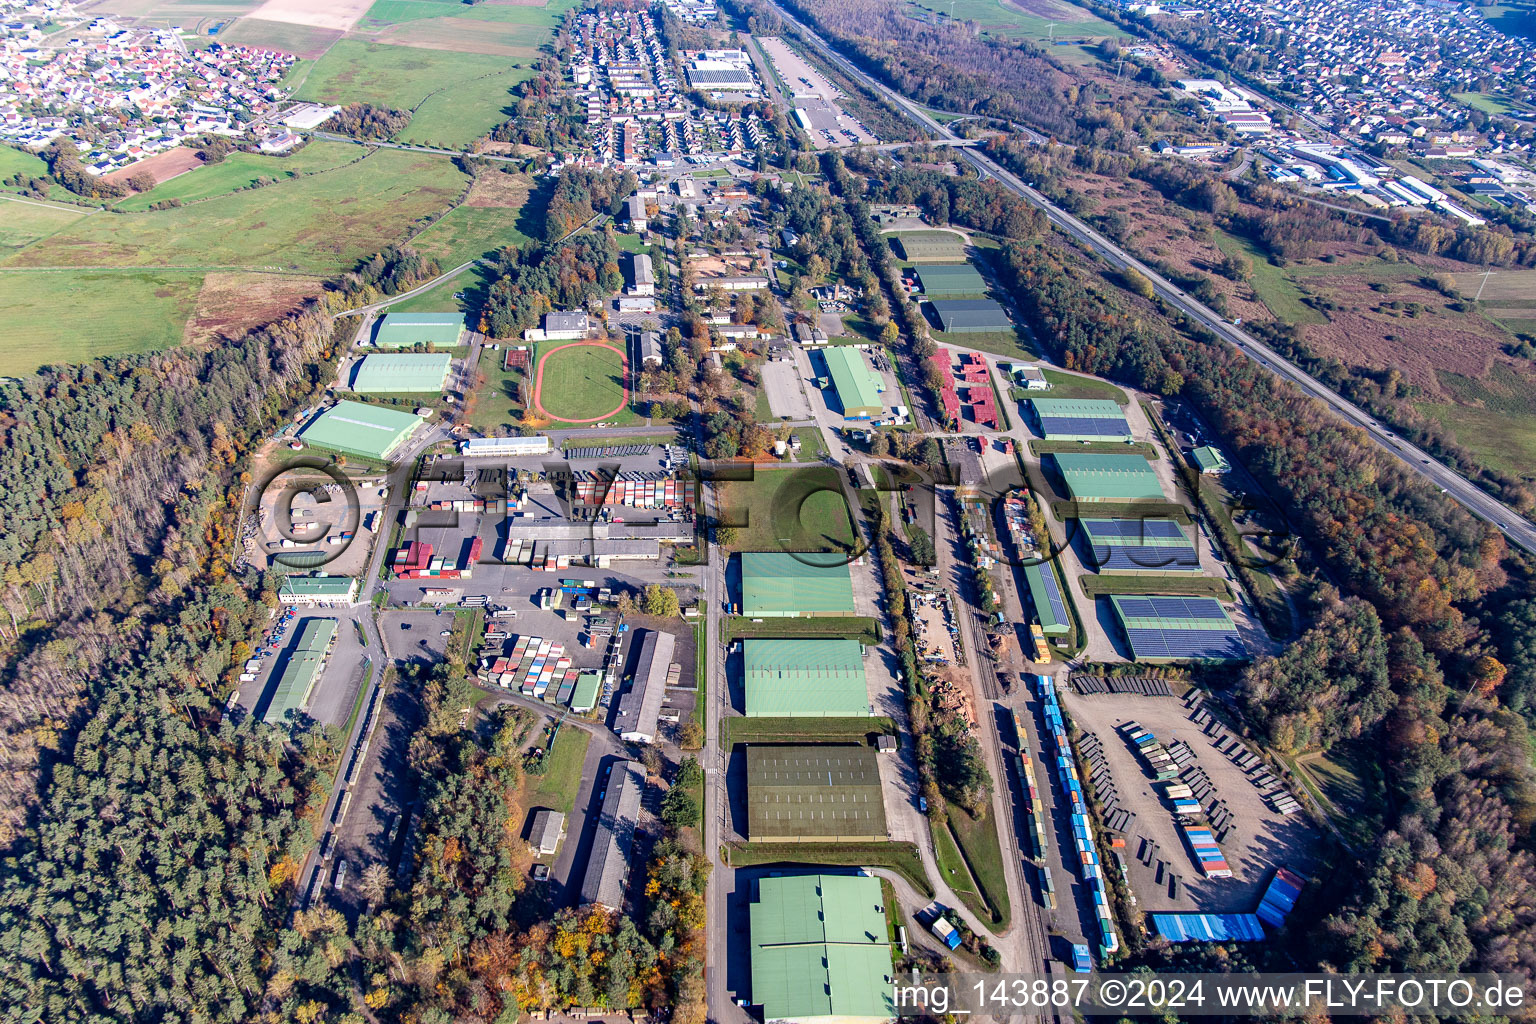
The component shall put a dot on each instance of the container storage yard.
(1087, 856)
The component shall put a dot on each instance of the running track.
(538, 383)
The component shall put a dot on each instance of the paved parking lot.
(335, 692)
(1259, 841)
(308, 508)
(786, 393)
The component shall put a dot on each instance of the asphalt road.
(1474, 499)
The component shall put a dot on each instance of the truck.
(1082, 961)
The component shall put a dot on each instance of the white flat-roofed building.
(511, 447)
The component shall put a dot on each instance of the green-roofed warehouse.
(407, 330)
(299, 676)
(821, 950)
(369, 431)
(584, 696)
(938, 280)
(318, 589)
(413, 373)
(858, 389)
(1080, 419)
(814, 794)
(805, 678)
(1109, 477)
(1210, 460)
(777, 584)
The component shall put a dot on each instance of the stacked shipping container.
(1082, 829)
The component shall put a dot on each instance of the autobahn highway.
(1474, 499)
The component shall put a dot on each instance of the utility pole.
(1050, 33)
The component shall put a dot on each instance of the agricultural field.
(455, 97)
(491, 217)
(579, 382)
(1065, 28)
(229, 304)
(243, 170)
(319, 224)
(23, 222)
(1456, 367)
(800, 509)
(14, 161)
(1514, 19)
(308, 41)
(76, 316)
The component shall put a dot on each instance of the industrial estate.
(677, 510)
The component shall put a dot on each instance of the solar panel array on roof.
(1066, 428)
(1147, 545)
(1193, 609)
(1045, 593)
(1163, 628)
(814, 792)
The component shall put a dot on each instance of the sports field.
(242, 170)
(75, 316)
(456, 97)
(581, 382)
(318, 224)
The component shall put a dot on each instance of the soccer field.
(581, 383)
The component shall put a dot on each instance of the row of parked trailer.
(1152, 752)
(1088, 865)
(1034, 806)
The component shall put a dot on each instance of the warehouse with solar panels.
(777, 584)
(1045, 594)
(1080, 419)
(805, 678)
(937, 280)
(409, 373)
(407, 330)
(1108, 477)
(306, 660)
(821, 950)
(353, 428)
(816, 794)
(1138, 545)
(970, 316)
(1177, 628)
